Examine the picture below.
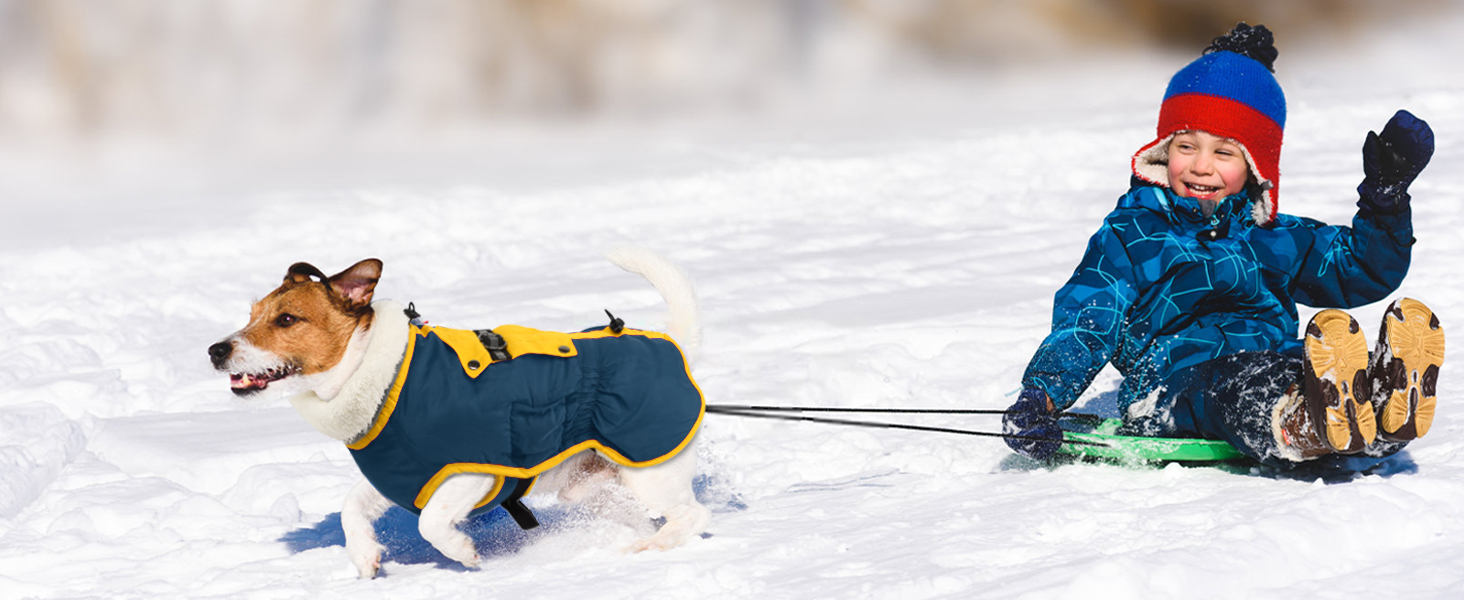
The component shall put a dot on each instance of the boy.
(1190, 287)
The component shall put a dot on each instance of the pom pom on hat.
(1255, 43)
(1229, 92)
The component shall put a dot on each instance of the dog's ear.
(356, 284)
(302, 272)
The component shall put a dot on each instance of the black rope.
(840, 409)
(725, 410)
(1079, 417)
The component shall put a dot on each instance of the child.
(1190, 287)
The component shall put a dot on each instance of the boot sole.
(1410, 353)
(1337, 384)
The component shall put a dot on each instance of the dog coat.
(454, 409)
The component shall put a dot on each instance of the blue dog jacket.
(453, 409)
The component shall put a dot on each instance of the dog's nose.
(219, 353)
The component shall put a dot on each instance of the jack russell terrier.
(448, 423)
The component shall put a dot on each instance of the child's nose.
(1203, 164)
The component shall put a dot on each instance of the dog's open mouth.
(249, 383)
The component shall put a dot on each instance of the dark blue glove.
(1391, 160)
(1033, 418)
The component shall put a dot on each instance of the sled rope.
(773, 413)
(1080, 417)
(930, 411)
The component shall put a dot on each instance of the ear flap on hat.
(1151, 163)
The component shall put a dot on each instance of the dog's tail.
(675, 288)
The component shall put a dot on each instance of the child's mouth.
(1200, 190)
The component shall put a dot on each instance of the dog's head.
(300, 329)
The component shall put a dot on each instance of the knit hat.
(1228, 92)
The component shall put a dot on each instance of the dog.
(448, 423)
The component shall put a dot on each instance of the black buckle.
(495, 344)
(413, 316)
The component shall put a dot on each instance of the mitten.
(1032, 418)
(1391, 160)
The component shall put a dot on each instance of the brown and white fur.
(324, 341)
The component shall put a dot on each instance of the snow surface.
(902, 254)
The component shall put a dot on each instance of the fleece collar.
(348, 414)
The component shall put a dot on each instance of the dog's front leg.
(449, 505)
(364, 505)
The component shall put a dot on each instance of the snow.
(892, 255)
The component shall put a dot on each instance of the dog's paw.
(461, 549)
(368, 560)
(640, 545)
(658, 542)
(682, 523)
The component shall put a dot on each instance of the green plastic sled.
(1138, 449)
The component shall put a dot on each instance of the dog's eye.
(285, 320)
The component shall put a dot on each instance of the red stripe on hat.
(1226, 118)
(1232, 119)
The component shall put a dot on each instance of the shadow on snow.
(1330, 469)
(494, 532)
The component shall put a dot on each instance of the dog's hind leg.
(364, 505)
(449, 505)
(665, 490)
(581, 477)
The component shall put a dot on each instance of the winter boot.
(1291, 424)
(1336, 385)
(1405, 370)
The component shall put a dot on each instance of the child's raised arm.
(1347, 267)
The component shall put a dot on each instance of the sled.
(1106, 443)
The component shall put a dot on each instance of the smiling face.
(1206, 167)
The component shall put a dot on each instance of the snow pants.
(1232, 398)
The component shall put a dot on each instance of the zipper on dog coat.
(514, 402)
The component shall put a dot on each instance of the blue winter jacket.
(453, 409)
(1161, 288)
